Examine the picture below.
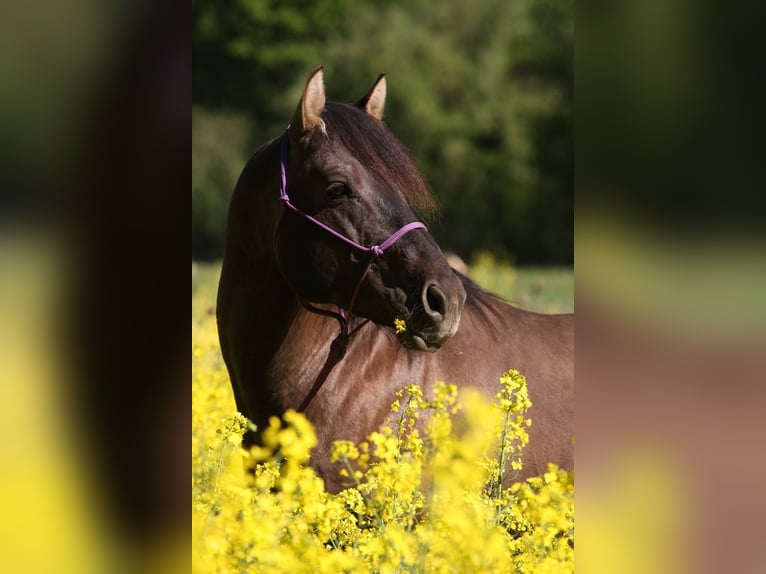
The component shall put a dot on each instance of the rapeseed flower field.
(427, 490)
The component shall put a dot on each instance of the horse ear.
(307, 116)
(375, 100)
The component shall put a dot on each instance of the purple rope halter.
(339, 344)
(375, 251)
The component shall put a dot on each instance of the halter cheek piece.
(340, 343)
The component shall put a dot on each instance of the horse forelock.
(375, 147)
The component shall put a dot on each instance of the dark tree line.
(481, 93)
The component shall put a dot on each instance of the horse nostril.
(435, 302)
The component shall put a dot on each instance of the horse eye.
(338, 189)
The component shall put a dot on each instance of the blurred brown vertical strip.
(127, 319)
(670, 146)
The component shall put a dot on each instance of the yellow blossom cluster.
(429, 488)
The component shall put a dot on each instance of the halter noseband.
(339, 344)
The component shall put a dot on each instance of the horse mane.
(375, 147)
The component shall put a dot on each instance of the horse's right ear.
(307, 116)
(375, 100)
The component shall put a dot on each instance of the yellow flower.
(400, 325)
(418, 486)
(344, 449)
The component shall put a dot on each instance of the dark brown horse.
(347, 184)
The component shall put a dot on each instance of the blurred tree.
(481, 93)
(248, 53)
(218, 156)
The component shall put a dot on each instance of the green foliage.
(248, 54)
(218, 156)
(481, 93)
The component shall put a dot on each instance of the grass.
(541, 289)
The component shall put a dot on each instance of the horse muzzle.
(437, 315)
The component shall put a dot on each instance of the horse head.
(350, 238)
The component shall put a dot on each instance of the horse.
(323, 218)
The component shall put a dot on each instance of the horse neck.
(255, 210)
(262, 296)
(252, 290)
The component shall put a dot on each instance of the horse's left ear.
(375, 100)
(307, 116)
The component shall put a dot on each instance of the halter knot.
(377, 250)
